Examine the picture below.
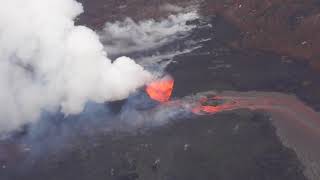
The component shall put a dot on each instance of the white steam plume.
(129, 36)
(46, 63)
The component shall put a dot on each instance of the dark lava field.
(235, 145)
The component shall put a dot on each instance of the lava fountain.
(161, 89)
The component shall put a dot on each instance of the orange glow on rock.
(209, 109)
(160, 90)
(204, 108)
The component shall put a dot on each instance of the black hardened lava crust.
(238, 145)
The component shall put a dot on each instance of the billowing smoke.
(129, 36)
(48, 64)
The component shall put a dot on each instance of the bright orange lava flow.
(160, 90)
(210, 109)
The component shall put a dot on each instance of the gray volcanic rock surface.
(238, 145)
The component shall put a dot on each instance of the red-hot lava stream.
(298, 125)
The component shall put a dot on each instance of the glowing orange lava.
(161, 90)
(204, 108)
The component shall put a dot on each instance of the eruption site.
(49, 65)
(161, 89)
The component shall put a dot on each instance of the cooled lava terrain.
(221, 112)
